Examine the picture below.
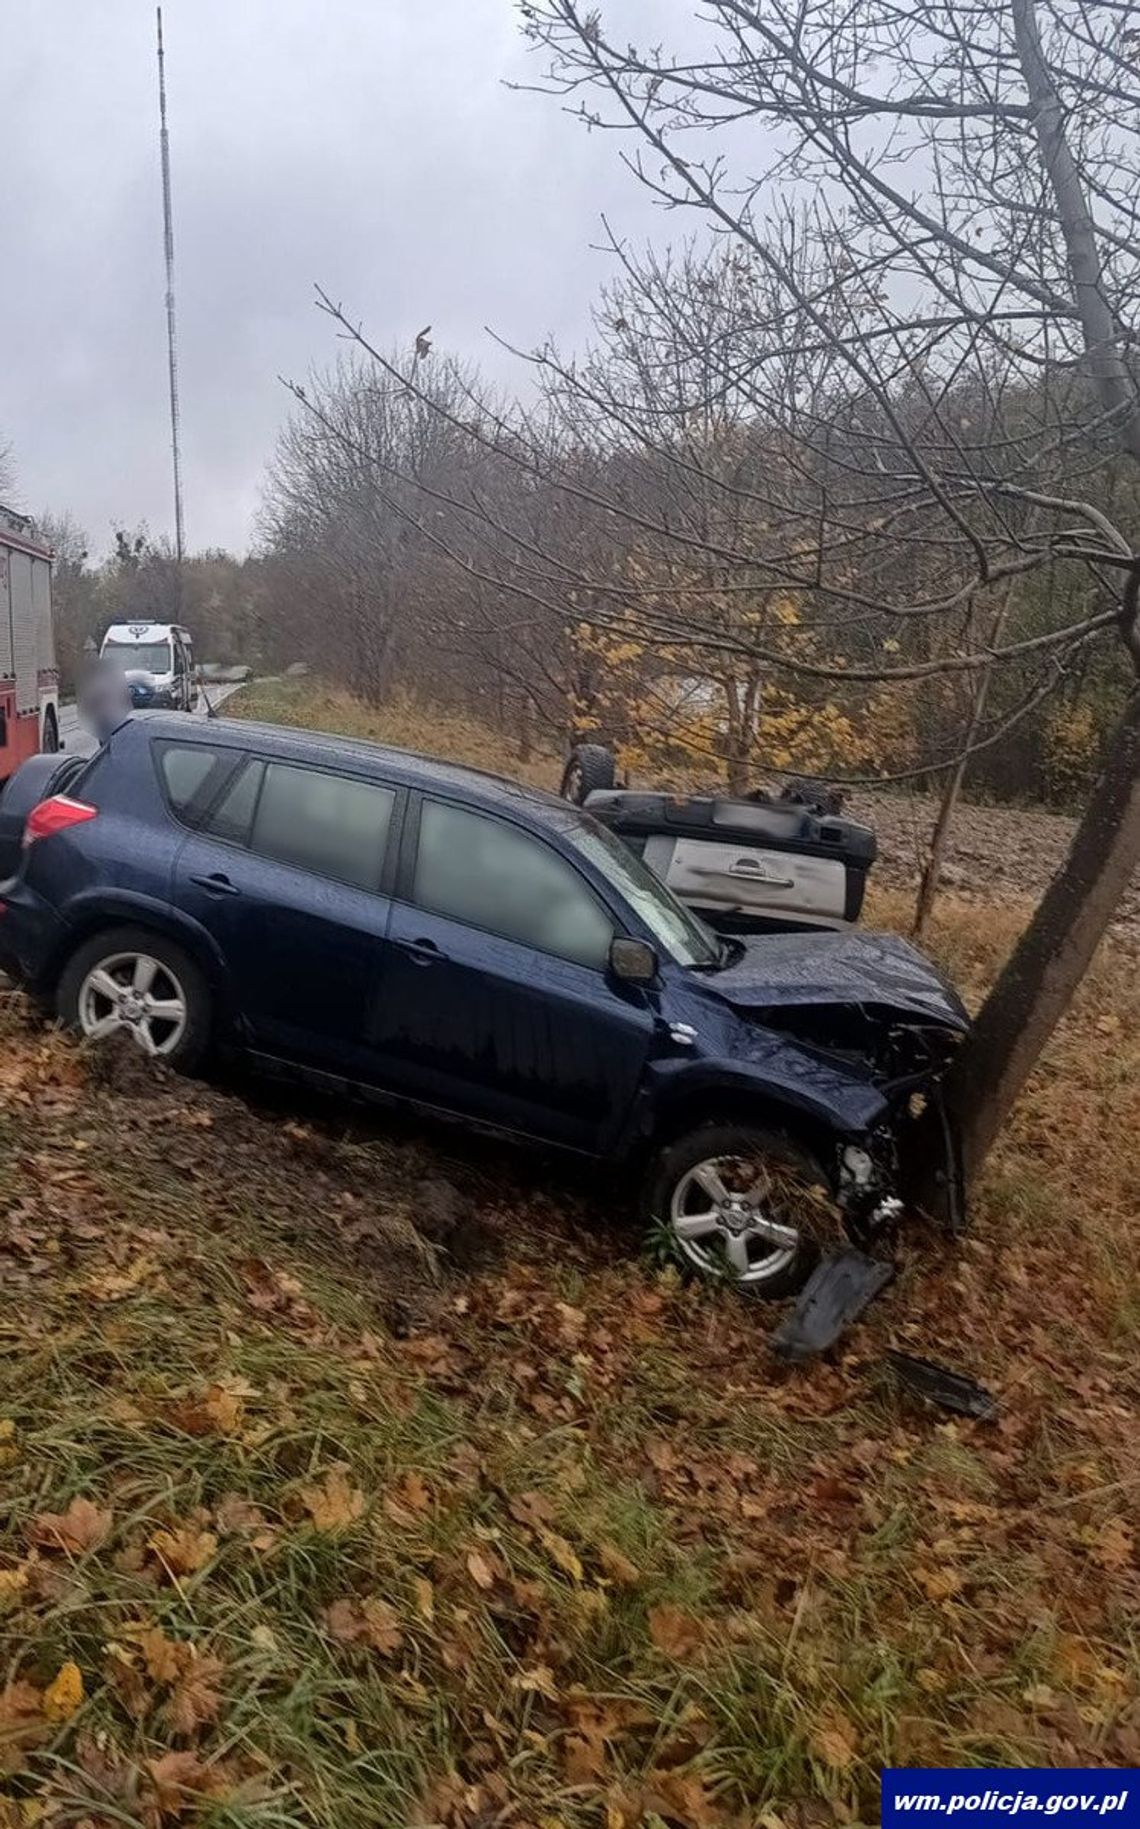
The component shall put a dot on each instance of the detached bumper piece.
(953, 1391)
(838, 1291)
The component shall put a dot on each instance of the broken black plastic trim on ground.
(951, 1390)
(839, 1289)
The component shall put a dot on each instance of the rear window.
(232, 817)
(334, 825)
(191, 775)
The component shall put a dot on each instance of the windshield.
(676, 930)
(150, 656)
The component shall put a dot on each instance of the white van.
(158, 661)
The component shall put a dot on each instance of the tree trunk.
(1054, 952)
(748, 731)
(1074, 215)
(939, 837)
(1046, 966)
(526, 742)
(735, 768)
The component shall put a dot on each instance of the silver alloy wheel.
(723, 1217)
(138, 993)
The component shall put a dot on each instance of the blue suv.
(382, 922)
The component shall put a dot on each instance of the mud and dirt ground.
(1001, 855)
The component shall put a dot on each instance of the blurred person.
(103, 698)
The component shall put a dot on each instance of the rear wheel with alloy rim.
(744, 1206)
(128, 981)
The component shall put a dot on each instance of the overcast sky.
(366, 144)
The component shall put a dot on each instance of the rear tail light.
(55, 815)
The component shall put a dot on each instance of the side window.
(191, 775)
(490, 875)
(332, 824)
(232, 818)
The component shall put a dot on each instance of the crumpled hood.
(878, 971)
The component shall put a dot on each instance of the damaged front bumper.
(871, 1091)
(910, 1163)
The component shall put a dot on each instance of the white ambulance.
(158, 661)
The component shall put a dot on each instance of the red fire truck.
(29, 682)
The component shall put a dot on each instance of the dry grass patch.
(405, 721)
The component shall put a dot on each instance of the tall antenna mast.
(171, 341)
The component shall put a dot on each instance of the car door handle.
(423, 952)
(761, 873)
(216, 884)
(757, 870)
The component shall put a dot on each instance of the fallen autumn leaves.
(572, 1554)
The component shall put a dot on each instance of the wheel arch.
(102, 913)
(763, 1107)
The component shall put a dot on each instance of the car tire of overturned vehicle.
(589, 770)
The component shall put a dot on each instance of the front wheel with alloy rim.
(128, 981)
(745, 1206)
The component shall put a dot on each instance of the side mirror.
(633, 961)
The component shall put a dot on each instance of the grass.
(550, 1543)
(406, 722)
